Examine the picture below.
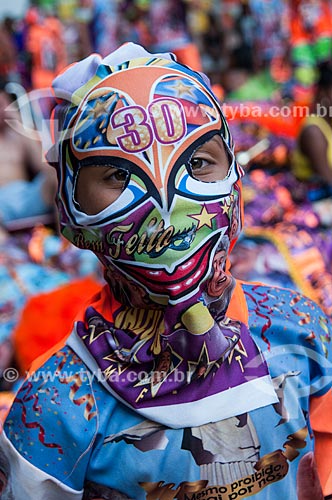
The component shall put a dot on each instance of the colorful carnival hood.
(161, 333)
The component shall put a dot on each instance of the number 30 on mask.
(163, 120)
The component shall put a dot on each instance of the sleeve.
(49, 432)
(20, 479)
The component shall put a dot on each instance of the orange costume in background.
(310, 38)
(45, 44)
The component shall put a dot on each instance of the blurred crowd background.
(282, 41)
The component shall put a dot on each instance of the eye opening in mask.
(98, 183)
(211, 161)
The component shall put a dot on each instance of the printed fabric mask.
(149, 183)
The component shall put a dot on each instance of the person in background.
(8, 52)
(149, 182)
(27, 186)
(45, 47)
(246, 28)
(170, 31)
(310, 44)
(312, 158)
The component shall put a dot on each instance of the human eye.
(210, 162)
(202, 168)
(197, 164)
(115, 177)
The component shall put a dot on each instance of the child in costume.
(176, 381)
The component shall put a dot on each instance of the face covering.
(159, 334)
